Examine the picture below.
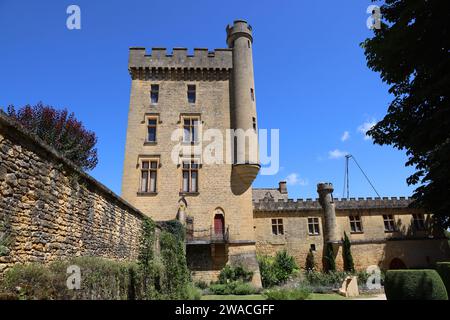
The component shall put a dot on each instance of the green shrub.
(29, 281)
(332, 279)
(284, 265)
(300, 293)
(100, 279)
(219, 289)
(192, 293)
(235, 287)
(268, 273)
(201, 284)
(235, 273)
(443, 268)
(276, 270)
(414, 285)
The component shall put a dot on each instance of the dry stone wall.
(49, 209)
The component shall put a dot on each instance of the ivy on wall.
(165, 274)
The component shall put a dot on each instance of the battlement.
(180, 59)
(268, 204)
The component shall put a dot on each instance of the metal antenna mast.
(346, 177)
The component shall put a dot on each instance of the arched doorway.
(219, 224)
(396, 264)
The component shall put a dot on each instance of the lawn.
(234, 297)
(314, 296)
(326, 296)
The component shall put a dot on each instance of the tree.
(347, 254)
(61, 130)
(411, 52)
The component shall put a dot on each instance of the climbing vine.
(165, 275)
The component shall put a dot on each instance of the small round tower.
(246, 159)
(325, 191)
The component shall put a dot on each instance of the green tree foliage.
(267, 270)
(165, 275)
(61, 130)
(284, 265)
(329, 263)
(411, 53)
(347, 254)
(276, 270)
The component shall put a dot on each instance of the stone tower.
(240, 39)
(175, 101)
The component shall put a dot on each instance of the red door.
(219, 224)
(397, 264)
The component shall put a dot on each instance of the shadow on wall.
(415, 245)
(206, 257)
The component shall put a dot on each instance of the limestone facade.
(216, 90)
(50, 210)
(387, 234)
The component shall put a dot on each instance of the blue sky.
(311, 78)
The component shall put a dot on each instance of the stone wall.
(373, 246)
(49, 209)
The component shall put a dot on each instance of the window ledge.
(143, 194)
(150, 143)
(184, 193)
(356, 232)
(313, 234)
(192, 143)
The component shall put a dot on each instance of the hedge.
(443, 268)
(414, 285)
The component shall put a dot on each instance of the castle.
(227, 221)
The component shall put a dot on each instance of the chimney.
(282, 187)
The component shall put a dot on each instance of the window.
(190, 129)
(355, 224)
(248, 43)
(252, 94)
(151, 129)
(154, 93)
(312, 247)
(148, 176)
(191, 93)
(190, 176)
(389, 223)
(419, 222)
(313, 226)
(277, 227)
(254, 123)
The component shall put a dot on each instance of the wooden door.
(219, 224)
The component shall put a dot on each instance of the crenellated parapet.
(179, 65)
(340, 204)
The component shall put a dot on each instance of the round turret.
(325, 191)
(246, 161)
